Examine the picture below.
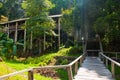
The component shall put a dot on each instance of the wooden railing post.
(30, 75)
(70, 76)
(113, 69)
(76, 67)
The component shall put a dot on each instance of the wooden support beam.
(24, 41)
(8, 30)
(16, 32)
(31, 40)
(40, 48)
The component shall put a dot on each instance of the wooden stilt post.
(31, 40)
(59, 33)
(24, 40)
(16, 32)
(8, 31)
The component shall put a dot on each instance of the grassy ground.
(15, 65)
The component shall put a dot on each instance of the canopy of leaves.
(67, 21)
(11, 9)
(39, 20)
(109, 22)
(1, 4)
(60, 5)
(34, 7)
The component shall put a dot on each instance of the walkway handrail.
(18, 72)
(112, 52)
(68, 67)
(113, 62)
(80, 57)
(115, 54)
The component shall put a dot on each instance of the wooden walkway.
(93, 69)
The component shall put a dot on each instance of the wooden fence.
(115, 55)
(69, 68)
(105, 59)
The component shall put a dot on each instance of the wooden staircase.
(93, 47)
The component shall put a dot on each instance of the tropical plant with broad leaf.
(8, 47)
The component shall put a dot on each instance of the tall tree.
(110, 23)
(12, 9)
(60, 5)
(39, 22)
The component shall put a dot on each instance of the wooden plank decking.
(93, 69)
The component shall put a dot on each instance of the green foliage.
(1, 4)
(98, 25)
(45, 59)
(5, 69)
(34, 7)
(12, 9)
(67, 21)
(39, 22)
(65, 61)
(60, 5)
(39, 77)
(8, 48)
(12, 65)
(63, 74)
(76, 50)
(77, 16)
(8, 67)
(108, 23)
